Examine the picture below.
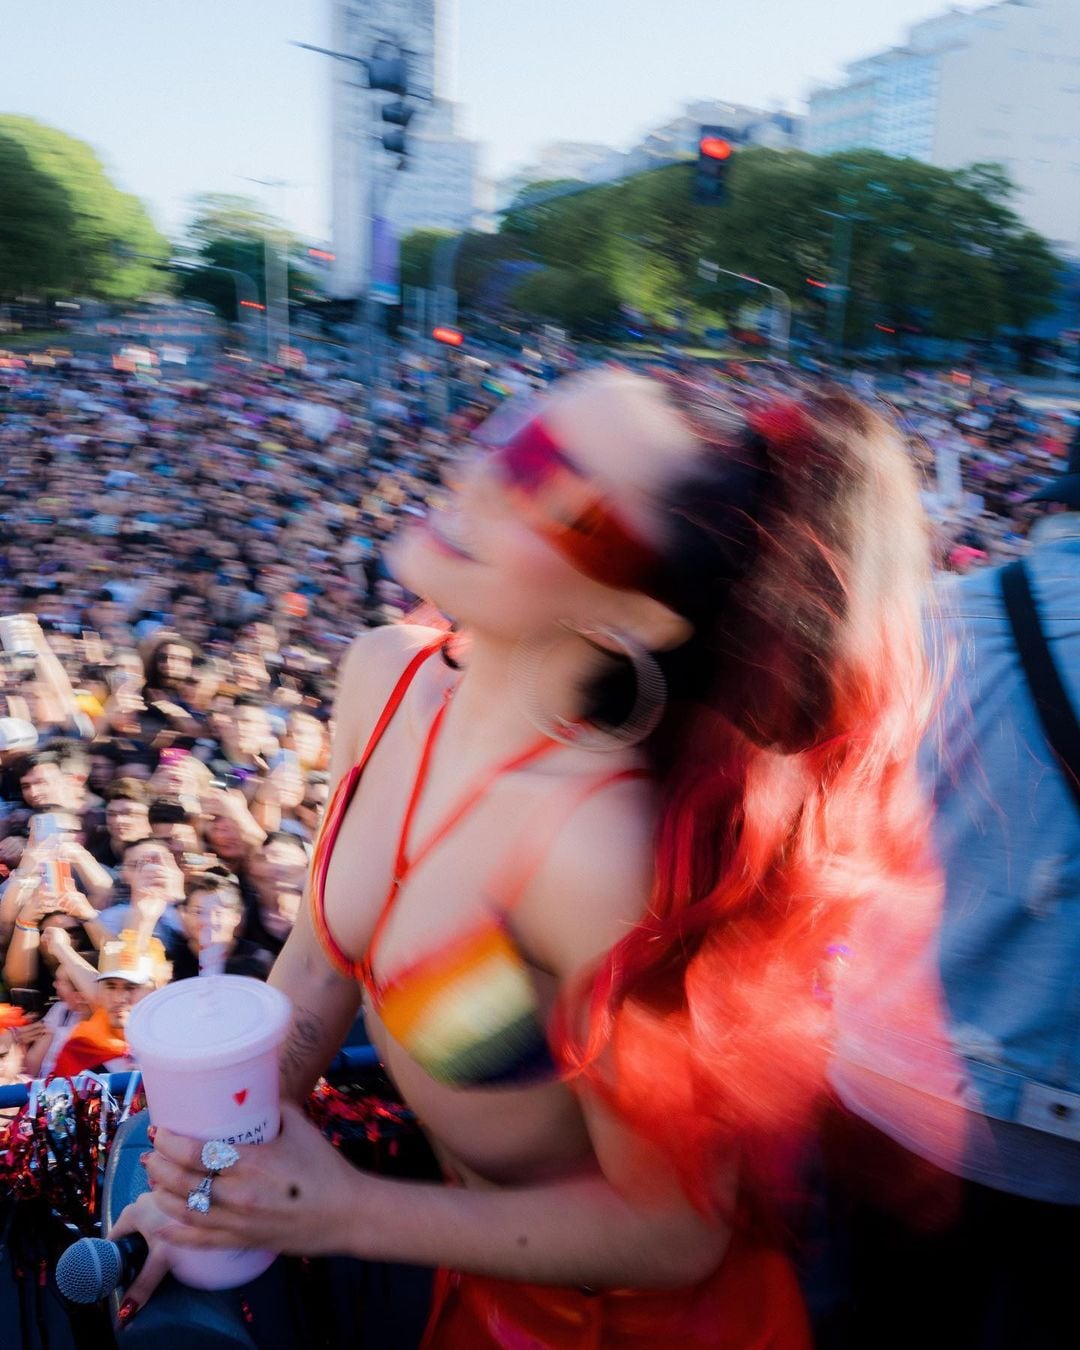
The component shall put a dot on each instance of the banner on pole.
(385, 263)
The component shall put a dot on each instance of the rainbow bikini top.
(466, 1012)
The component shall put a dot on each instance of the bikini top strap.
(524, 862)
(397, 694)
(339, 804)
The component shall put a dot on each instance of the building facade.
(997, 84)
(437, 187)
(586, 162)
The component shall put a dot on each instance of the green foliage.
(66, 228)
(418, 252)
(581, 301)
(229, 236)
(929, 249)
(35, 239)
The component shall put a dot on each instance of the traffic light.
(389, 74)
(452, 337)
(716, 149)
(393, 141)
(398, 114)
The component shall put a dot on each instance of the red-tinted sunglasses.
(564, 506)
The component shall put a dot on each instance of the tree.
(34, 236)
(923, 248)
(585, 303)
(228, 237)
(76, 232)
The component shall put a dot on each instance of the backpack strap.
(1052, 702)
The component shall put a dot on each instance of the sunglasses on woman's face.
(564, 506)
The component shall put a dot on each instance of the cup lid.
(207, 1022)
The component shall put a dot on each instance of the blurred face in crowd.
(150, 867)
(174, 663)
(134, 768)
(117, 997)
(44, 785)
(310, 810)
(306, 738)
(102, 770)
(11, 1059)
(224, 837)
(106, 614)
(180, 836)
(126, 821)
(128, 667)
(211, 918)
(246, 732)
(278, 873)
(43, 706)
(201, 687)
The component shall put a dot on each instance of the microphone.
(92, 1268)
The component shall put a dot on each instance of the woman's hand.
(296, 1194)
(144, 1216)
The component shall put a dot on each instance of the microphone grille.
(89, 1270)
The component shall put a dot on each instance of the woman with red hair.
(587, 885)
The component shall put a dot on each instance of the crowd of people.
(183, 564)
(182, 567)
(983, 452)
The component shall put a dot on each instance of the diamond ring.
(199, 1199)
(217, 1156)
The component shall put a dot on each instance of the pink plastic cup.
(208, 1051)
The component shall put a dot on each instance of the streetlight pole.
(781, 302)
(389, 74)
(277, 310)
(184, 265)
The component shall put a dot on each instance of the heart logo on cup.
(240, 1097)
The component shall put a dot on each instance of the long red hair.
(787, 784)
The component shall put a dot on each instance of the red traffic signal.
(716, 154)
(715, 147)
(453, 337)
(251, 304)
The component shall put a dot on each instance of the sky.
(185, 96)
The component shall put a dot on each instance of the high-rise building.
(436, 188)
(997, 84)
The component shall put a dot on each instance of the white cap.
(16, 734)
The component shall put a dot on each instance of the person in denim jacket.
(956, 1145)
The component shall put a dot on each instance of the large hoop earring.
(649, 702)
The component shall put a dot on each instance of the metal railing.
(18, 1094)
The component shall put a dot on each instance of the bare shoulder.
(372, 664)
(594, 885)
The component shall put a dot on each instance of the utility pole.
(781, 303)
(277, 309)
(839, 287)
(388, 74)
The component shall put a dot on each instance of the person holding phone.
(212, 912)
(155, 883)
